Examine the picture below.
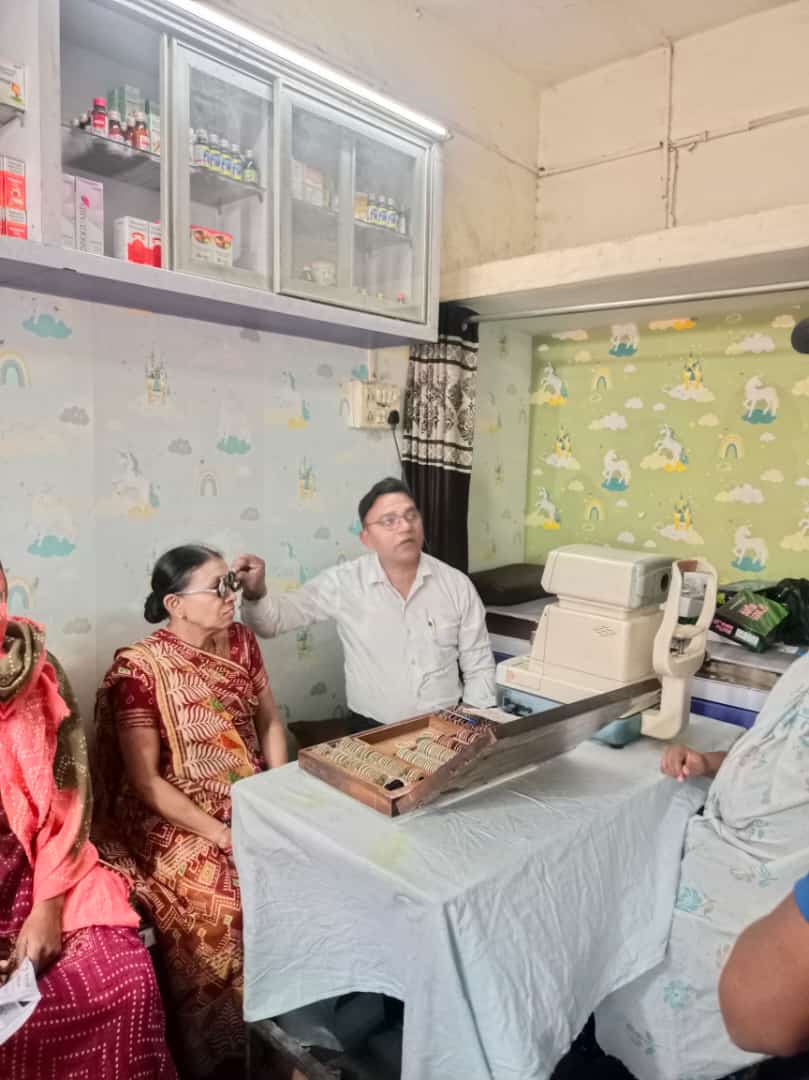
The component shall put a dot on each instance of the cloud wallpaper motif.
(699, 445)
(124, 433)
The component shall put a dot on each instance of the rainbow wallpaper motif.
(678, 435)
(125, 433)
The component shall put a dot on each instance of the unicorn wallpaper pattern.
(124, 433)
(677, 435)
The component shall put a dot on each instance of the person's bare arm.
(140, 748)
(270, 730)
(764, 986)
(40, 937)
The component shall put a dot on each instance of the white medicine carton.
(89, 216)
(68, 210)
(12, 84)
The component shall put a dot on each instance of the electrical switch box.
(372, 403)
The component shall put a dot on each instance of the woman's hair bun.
(154, 610)
(171, 574)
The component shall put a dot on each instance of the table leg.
(274, 1055)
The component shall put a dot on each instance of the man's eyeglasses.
(227, 584)
(390, 521)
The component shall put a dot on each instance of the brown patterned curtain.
(438, 432)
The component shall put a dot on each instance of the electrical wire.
(393, 423)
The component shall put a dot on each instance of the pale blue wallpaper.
(124, 433)
(497, 488)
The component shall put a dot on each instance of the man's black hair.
(389, 486)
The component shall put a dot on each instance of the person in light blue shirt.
(764, 987)
(741, 859)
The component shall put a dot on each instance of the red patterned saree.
(203, 706)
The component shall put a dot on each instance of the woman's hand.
(40, 937)
(681, 762)
(250, 571)
(223, 840)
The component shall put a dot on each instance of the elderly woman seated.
(100, 1012)
(181, 717)
(742, 856)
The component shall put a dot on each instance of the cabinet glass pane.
(223, 145)
(111, 132)
(389, 230)
(354, 219)
(316, 254)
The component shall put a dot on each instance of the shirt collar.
(377, 574)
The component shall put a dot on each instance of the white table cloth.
(501, 918)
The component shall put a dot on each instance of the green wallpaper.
(678, 435)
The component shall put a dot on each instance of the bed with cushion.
(514, 599)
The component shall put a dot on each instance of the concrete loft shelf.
(757, 249)
(28, 265)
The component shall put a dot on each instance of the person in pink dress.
(100, 1012)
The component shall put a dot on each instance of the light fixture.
(276, 48)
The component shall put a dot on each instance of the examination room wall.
(497, 489)
(125, 433)
(674, 434)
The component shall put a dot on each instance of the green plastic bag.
(750, 618)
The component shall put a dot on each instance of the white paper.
(18, 999)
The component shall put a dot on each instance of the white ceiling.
(553, 40)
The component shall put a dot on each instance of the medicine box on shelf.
(12, 90)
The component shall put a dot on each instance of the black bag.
(793, 593)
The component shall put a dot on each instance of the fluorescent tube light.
(276, 48)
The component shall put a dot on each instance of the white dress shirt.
(402, 657)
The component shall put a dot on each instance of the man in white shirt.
(413, 628)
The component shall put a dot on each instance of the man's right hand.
(250, 571)
(681, 762)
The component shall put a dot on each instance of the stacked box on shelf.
(12, 84)
(211, 246)
(89, 216)
(153, 125)
(13, 199)
(138, 241)
(126, 101)
(156, 243)
(131, 240)
(68, 210)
